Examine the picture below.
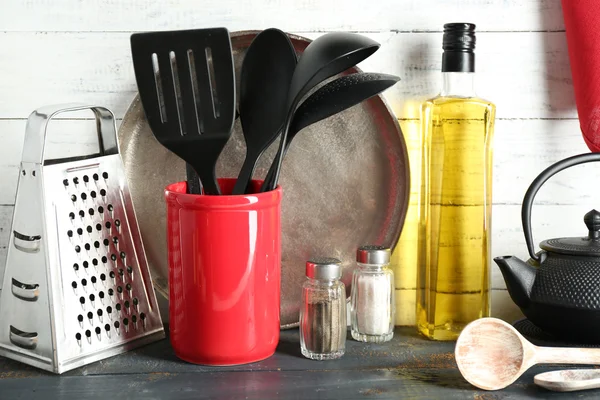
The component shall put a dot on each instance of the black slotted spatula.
(186, 81)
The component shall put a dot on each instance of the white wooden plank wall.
(70, 50)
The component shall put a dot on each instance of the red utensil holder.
(224, 274)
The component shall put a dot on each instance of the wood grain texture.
(407, 347)
(376, 383)
(523, 148)
(569, 380)
(408, 367)
(525, 73)
(491, 354)
(306, 16)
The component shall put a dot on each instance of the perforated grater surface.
(77, 286)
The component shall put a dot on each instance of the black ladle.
(323, 58)
(332, 98)
(266, 74)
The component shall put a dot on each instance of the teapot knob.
(592, 221)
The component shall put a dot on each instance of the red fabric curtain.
(582, 22)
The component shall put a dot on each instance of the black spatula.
(186, 81)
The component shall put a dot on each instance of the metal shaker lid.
(324, 268)
(370, 254)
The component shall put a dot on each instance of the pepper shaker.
(323, 312)
(372, 298)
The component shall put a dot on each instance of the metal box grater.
(77, 287)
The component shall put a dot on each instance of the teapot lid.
(579, 246)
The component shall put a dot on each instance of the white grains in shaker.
(372, 300)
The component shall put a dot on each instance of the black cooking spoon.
(323, 58)
(266, 74)
(332, 98)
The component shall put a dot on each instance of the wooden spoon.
(569, 380)
(491, 354)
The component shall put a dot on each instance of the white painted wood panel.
(525, 73)
(296, 15)
(71, 50)
(523, 148)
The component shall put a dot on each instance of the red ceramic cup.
(224, 274)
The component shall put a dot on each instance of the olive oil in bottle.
(453, 283)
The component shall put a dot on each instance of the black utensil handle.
(269, 179)
(268, 182)
(537, 184)
(194, 186)
(268, 186)
(243, 181)
(209, 181)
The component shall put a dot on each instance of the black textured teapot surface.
(558, 289)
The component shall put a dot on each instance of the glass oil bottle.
(453, 283)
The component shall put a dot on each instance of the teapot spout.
(519, 277)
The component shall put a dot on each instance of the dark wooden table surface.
(408, 367)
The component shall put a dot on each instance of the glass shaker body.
(323, 319)
(372, 303)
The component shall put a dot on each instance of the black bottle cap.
(459, 46)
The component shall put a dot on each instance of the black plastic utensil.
(186, 81)
(323, 58)
(194, 186)
(332, 98)
(265, 79)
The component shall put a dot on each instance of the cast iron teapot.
(558, 289)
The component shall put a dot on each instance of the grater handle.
(24, 291)
(26, 340)
(37, 123)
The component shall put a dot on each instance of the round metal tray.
(345, 182)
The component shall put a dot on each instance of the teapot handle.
(537, 184)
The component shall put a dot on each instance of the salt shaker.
(323, 311)
(372, 299)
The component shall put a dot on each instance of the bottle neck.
(458, 84)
